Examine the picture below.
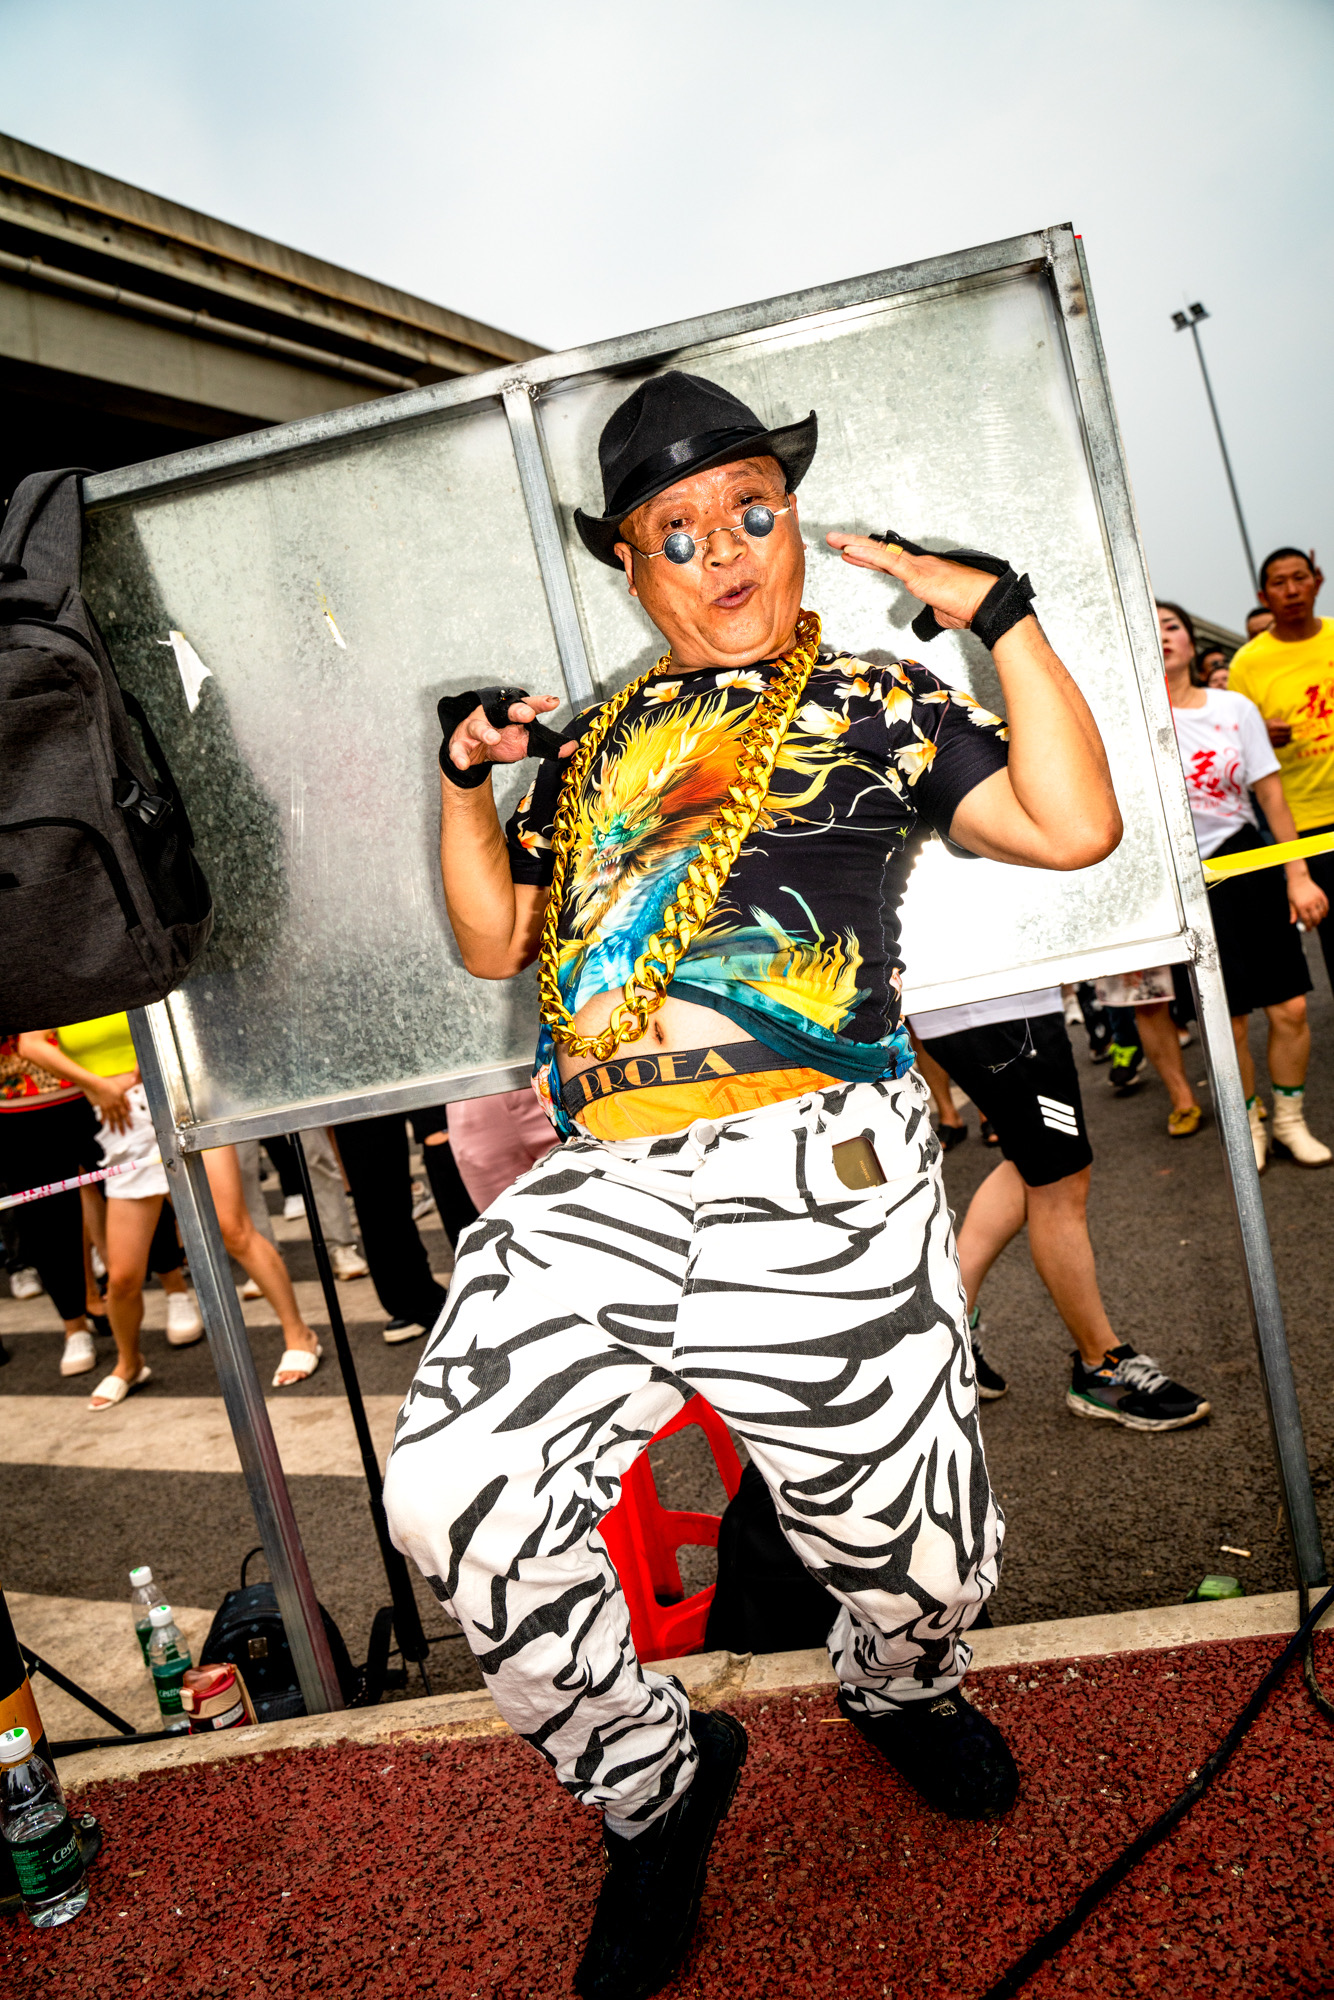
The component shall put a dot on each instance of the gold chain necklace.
(691, 907)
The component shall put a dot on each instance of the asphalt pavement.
(1099, 1518)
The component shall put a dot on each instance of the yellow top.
(1295, 684)
(103, 1045)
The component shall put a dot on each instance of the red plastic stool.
(643, 1536)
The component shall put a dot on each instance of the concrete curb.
(711, 1678)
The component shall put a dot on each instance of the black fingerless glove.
(494, 703)
(1009, 599)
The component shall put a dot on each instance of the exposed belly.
(678, 1024)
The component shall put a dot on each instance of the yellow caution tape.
(1220, 868)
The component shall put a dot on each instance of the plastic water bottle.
(143, 1596)
(39, 1834)
(168, 1662)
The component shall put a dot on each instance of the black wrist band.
(452, 709)
(1009, 599)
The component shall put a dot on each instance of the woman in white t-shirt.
(1226, 755)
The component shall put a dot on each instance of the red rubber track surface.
(461, 1872)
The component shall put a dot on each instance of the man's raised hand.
(476, 741)
(954, 592)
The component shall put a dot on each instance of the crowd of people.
(1255, 732)
(72, 1104)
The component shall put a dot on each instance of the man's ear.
(627, 556)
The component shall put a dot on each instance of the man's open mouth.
(731, 600)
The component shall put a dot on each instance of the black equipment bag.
(765, 1599)
(102, 903)
(248, 1632)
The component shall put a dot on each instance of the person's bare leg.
(1058, 1239)
(1158, 1034)
(1289, 1043)
(243, 1241)
(996, 1214)
(1241, 1024)
(938, 1084)
(173, 1281)
(130, 1223)
(94, 1237)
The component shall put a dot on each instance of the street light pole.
(1184, 322)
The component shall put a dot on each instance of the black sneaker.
(654, 1884)
(990, 1382)
(949, 1752)
(1100, 1040)
(1127, 1063)
(1131, 1389)
(399, 1330)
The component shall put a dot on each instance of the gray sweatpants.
(326, 1177)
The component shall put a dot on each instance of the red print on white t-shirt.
(1213, 777)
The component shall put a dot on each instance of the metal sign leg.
(241, 1392)
(1285, 1423)
(412, 1640)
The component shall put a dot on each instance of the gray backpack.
(102, 903)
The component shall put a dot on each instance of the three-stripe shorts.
(824, 1322)
(1021, 1075)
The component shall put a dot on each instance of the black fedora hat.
(674, 425)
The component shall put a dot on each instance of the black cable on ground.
(1313, 1687)
(1060, 1933)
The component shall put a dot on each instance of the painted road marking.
(155, 1433)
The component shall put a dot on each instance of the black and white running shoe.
(990, 1382)
(1131, 1389)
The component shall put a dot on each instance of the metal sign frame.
(1054, 254)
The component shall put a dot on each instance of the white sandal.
(298, 1361)
(79, 1356)
(113, 1389)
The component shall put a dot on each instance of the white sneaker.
(250, 1290)
(1293, 1135)
(184, 1326)
(348, 1261)
(423, 1201)
(25, 1284)
(294, 1209)
(1259, 1137)
(79, 1356)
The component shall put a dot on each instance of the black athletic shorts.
(1021, 1076)
(1259, 947)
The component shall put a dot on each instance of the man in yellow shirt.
(1288, 672)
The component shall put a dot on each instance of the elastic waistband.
(672, 1066)
(661, 1150)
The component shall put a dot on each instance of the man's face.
(1257, 622)
(738, 599)
(1290, 589)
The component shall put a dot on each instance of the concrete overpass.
(131, 326)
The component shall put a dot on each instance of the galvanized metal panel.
(953, 419)
(333, 598)
(962, 401)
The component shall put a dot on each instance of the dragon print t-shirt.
(801, 948)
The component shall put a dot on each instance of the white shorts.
(134, 1148)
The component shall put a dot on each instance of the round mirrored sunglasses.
(679, 547)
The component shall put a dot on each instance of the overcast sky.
(571, 171)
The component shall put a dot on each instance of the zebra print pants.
(827, 1327)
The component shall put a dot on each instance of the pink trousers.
(495, 1139)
